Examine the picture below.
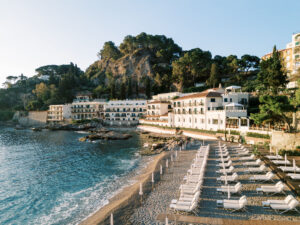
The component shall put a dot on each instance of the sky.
(34, 33)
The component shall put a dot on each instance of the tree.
(109, 51)
(42, 92)
(129, 87)
(192, 67)
(274, 109)
(272, 75)
(213, 79)
(99, 91)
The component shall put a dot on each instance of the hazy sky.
(40, 32)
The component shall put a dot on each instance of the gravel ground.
(165, 190)
(168, 188)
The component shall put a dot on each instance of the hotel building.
(58, 113)
(83, 107)
(127, 112)
(290, 57)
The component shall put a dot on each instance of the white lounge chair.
(231, 178)
(235, 206)
(281, 162)
(260, 169)
(228, 164)
(229, 170)
(235, 189)
(187, 198)
(255, 163)
(247, 158)
(286, 207)
(182, 207)
(289, 169)
(243, 153)
(273, 157)
(264, 178)
(283, 201)
(294, 176)
(272, 189)
(224, 159)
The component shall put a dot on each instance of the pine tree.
(148, 87)
(123, 91)
(213, 78)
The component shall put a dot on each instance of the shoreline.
(123, 203)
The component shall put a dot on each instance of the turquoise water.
(51, 178)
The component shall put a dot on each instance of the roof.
(233, 87)
(201, 94)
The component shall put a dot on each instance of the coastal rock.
(93, 126)
(106, 135)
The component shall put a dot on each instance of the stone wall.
(287, 141)
(33, 118)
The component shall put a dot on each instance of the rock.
(107, 135)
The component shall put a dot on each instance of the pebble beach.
(158, 201)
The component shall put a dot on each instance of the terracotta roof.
(201, 94)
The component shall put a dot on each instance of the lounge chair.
(247, 158)
(243, 153)
(235, 189)
(284, 201)
(231, 178)
(273, 189)
(273, 157)
(255, 163)
(229, 170)
(190, 190)
(264, 178)
(242, 198)
(260, 169)
(224, 159)
(294, 176)
(286, 207)
(281, 162)
(289, 169)
(187, 198)
(235, 206)
(228, 164)
(183, 207)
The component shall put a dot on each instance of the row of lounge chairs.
(191, 189)
(281, 206)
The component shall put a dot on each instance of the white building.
(128, 111)
(83, 107)
(59, 113)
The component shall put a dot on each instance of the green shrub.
(6, 115)
(257, 135)
(298, 147)
(282, 152)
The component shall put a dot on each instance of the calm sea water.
(51, 178)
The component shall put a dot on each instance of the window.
(215, 121)
(212, 100)
(208, 121)
(225, 100)
(230, 99)
(195, 120)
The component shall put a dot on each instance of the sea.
(49, 177)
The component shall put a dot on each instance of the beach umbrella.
(167, 221)
(161, 171)
(171, 158)
(294, 165)
(152, 178)
(175, 154)
(270, 150)
(111, 219)
(228, 192)
(285, 159)
(276, 153)
(167, 163)
(141, 189)
(226, 179)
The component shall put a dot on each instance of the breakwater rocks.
(155, 144)
(106, 135)
(75, 127)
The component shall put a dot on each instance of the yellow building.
(290, 57)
